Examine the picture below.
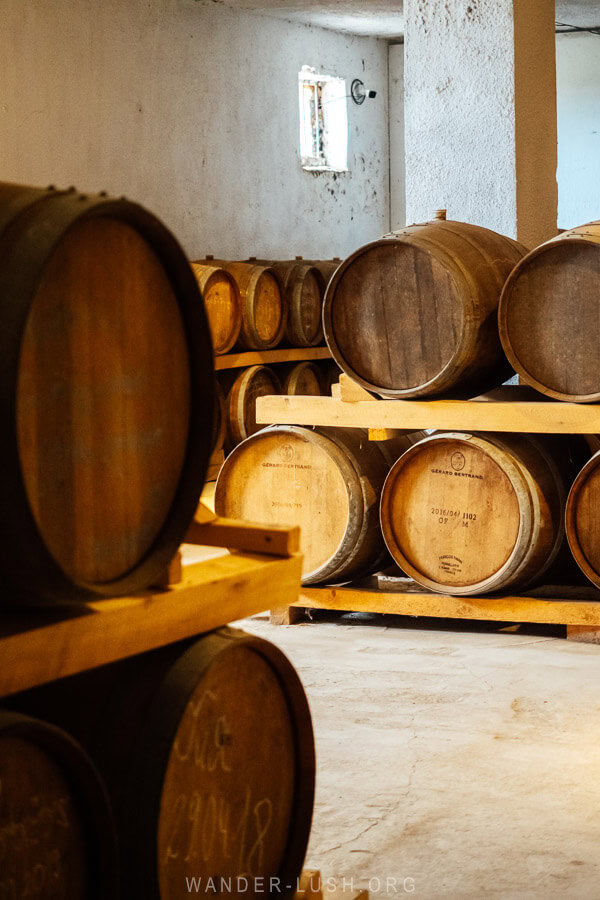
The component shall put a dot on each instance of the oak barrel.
(326, 267)
(303, 379)
(473, 513)
(583, 519)
(207, 751)
(106, 392)
(549, 313)
(264, 304)
(304, 286)
(326, 480)
(415, 313)
(57, 837)
(223, 305)
(256, 381)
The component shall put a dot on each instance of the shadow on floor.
(416, 623)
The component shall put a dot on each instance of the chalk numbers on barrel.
(32, 866)
(204, 828)
(211, 825)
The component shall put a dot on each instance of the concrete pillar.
(480, 114)
(397, 161)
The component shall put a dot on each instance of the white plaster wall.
(480, 116)
(578, 81)
(397, 153)
(192, 111)
(459, 94)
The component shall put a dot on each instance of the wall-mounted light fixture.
(359, 92)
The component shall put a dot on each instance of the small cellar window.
(323, 122)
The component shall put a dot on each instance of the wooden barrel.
(257, 381)
(305, 288)
(548, 316)
(264, 304)
(221, 417)
(327, 481)
(107, 395)
(207, 751)
(583, 519)
(472, 513)
(304, 379)
(415, 313)
(327, 267)
(57, 836)
(223, 305)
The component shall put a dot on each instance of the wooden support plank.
(287, 615)
(448, 415)
(268, 357)
(38, 647)
(275, 540)
(173, 574)
(208, 496)
(541, 610)
(211, 530)
(384, 434)
(584, 634)
(351, 392)
(204, 513)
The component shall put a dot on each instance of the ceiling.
(379, 18)
(384, 18)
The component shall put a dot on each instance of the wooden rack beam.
(214, 587)
(268, 357)
(448, 415)
(555, 605)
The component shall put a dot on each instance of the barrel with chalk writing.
(56, 833)
(207, 751)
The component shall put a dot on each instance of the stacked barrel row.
(448, 309)
(442, 310)
(459, 513)
(238, 389)
(194, 761)
(262, 304)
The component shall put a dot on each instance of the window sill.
(324, 169)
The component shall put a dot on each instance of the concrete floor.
(467, 760)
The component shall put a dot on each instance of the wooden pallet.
(269, 357)
(510, 409)
(205, 588)
(352, 407)
(576, 607)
